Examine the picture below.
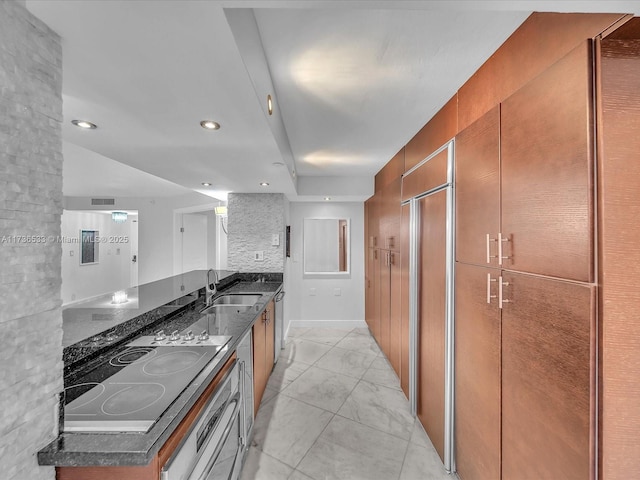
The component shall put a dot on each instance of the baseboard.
(327, 324)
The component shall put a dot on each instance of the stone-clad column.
(30, 255)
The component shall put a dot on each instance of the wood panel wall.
(438, 131)
(542, 40)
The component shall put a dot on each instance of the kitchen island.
(119, 449)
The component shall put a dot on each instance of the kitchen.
(17, 304)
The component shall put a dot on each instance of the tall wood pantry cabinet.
(525, 298)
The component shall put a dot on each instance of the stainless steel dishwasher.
(279, 330)
(214, 447)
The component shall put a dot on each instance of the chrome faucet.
(211, 288)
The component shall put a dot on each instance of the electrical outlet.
(312, 291)
(71, 253)
(275, 240)
(337, 292)
(258, 256)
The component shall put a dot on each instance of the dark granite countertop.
(102, 449)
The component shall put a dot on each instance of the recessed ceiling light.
(269, 105)
(209, 124)
(327, 198)
(84, 124)
(264, 184)
(206, 184)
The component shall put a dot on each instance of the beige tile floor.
(333, 410)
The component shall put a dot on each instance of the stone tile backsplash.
(253, 220)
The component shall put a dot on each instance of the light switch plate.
(337, 292)
(275, 239)
(258, 256)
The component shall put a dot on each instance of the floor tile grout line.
(371, 426)
(406, 452)
(314, 442)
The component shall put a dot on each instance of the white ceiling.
(353, 81)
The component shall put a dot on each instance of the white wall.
(111, 273)
(156, 227)
(325, 308)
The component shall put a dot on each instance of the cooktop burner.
(137, 385)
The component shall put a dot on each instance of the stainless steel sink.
(226, 309)
(237, 299)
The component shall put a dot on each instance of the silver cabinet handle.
(489, 280)
(501, 299)
(501, 240)
(489, 240)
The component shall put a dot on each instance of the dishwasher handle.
(225, 436)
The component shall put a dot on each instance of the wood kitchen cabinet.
(524, 177)
(373, 301)
(525, 376)
(263, 352)
(478, 378)
(383, 288)
(547, 171)
(524, 174)
(548, 378)
(478, 190)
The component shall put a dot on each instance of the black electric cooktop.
(131, 390)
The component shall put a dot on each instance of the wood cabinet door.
(404, 302)
(547, 171)
(395, 310)
(384, 293)
(477, 190)
(432, 317)
(477, 367)
(269, 339)
(391, 203)
(259, 370)
(374, 220)
(374, 326)
(370, 282)
(548, 379)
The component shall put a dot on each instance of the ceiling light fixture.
(119, 217)
(209, 125)
(206, 184)
(278, 164)
(264, 184)
(269, 105)
(84, 124)
(327, 198)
